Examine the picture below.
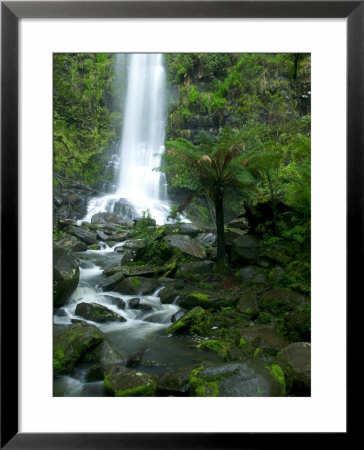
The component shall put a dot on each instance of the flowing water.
(142, 330)
(142, 143)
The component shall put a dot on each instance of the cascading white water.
(142, 142)
(142, 139)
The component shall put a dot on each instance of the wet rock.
(104, 353)
(124, 382)
(197, 321)
(97, 313)
(252, 274)
(126, 257)
(247, 248)
(281, 298)
(119, 302)
(110, 282)
(95, 373)
(189, 229)
(72, 244)
(231, 234)
(240, 222)
(137, 286)
(251, 378)
(298, 357)
(101, 236)
(72, 343)
(87, 236)
(186, 245)
(121, 236)
(66, 275)
(177, 316)
(143, 271)
(134, 302)
(167, 294)
(106, 218)
(248, 305)
(176, 382)
(135, 359)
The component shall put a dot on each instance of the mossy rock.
(71, 344)
(298, 358)
(124, 382)
(97, 313)
(207, 300)
(197, 321)
(137, 286)
(219, 347)
(167, 294)
(104, 353)
(111, 282)
(248, 305)
(176, 382)
(251, 378)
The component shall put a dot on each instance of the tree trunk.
(219, 211)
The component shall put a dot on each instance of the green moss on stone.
(135, 282)
(277, 373)
(200, 387)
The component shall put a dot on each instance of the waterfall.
(142, 138)
(139, 187)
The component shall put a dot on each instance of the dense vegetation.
(237, 162)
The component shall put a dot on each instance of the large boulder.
(124, 382)
(281, 299)
(186, 245)
(298, 357)
(176, 382)
(240, 222)
(142, 270)
(246, 248)
(87, 236)
(97, 313)
(252, 378)
(106, 218)
(137, 286)
(197, 321)
(111, 282)
(230, 234)
(104, 353)
(207, 239)
(189, 229)
(72, 343)
(66, 275)
(168, 294)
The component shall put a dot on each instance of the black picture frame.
(11, 12)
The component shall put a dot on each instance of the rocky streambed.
(140, 310)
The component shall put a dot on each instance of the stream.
(142, 330)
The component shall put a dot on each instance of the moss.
(242, 343)
(216, 346)
(199, 296)
(256, 352)
(148, 390)
(277, 373)
(107, 384)
(200, 387)
(135, 282)
(94, 247)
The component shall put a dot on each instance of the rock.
(211, 253)
(281, 298)
(134, 303)
(207, 239)
(186, 245)
(119, 302)
(177, 316)
(167, 294)
(72, 244)
(176, 382)
(264, 337)
(124, 382)
(101, 236)
(88, 237)
(195, 269)
(247, 248)
(252, 378)
(63, 223)
(111, 282)
(252, 274)
(248, 305)
(207, 300)
(189, 229)
(135, 359)
(277, 274)
(97, 313)
(143, 271)
(106, 218)
(147, 221)
(121, 236)
(72, 343)
(240, 222)
(66, 275)
(298, 324)
(196, 321)
(137, 286)
(95, 373)
(126, 257)
(231, 234)
(298, 357)
(104, 353)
